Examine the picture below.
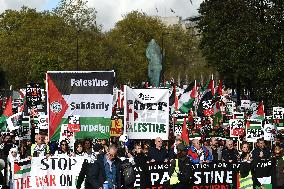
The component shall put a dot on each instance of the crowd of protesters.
(106, 157)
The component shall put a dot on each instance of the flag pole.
(195, 97)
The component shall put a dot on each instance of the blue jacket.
(195, 159)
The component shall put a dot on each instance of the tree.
(77, 13)
(130, 37)
(32, 43)
(242, 40)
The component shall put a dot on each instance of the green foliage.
(76, 12)
(33, 42)
(130, 38)
(243, 40)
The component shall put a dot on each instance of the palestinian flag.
(176, 98)
(217, 113)
(211, 87)
(190, 118)
(184, 133)
(186, 101)
(254, 123)
(219, 89)
(205, 87)
(6, 114)
(205, 106)
(22, 167)
(260, 111)
(88, 95)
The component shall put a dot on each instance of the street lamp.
(162, 39)
(77, 50)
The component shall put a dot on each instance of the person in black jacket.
(230, 154)
(185, 173)
(261, 151)
(139, 157)
(158, 153)
(107, 167)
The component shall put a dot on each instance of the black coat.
(230, 154)
(256, 152)
(158, 155)
(95, 173)
(92, 172)
(185, 167)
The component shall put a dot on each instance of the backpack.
(128, 174)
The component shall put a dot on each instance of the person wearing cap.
(180, 169)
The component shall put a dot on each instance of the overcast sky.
(111, 11)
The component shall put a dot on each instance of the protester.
(180, 171)
(245, 153)
(261, 151)
(39, 149)
(139, 157)
(146, 147)
(173, 149)
(6, 145)
(199, 154)
(110, 167)
(245, 168)
(2, 166)
(13, 156)
(278, 161)
(23, 149)
(104, 143)
(215, 150)
(158, 153)
(63, 149)
(88, 147)
(78, 149)
(230, 154)
(98, 147)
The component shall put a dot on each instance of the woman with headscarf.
(12, 157)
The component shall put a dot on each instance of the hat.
(181, 147)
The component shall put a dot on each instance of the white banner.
(56, 172)
(269, 132)
(146, 113)
(245, 104)
(43, 121)
(237, 127)
(254, 130)
(278, 113)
